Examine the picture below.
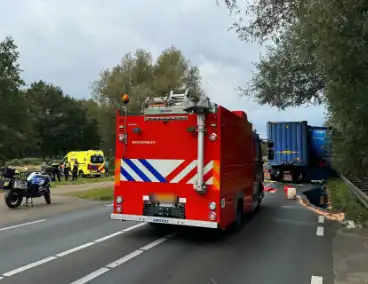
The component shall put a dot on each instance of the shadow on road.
(204, 235)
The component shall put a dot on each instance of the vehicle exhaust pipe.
(201, 122)
(200, 109)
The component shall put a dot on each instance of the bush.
(24, 162)
(342, 199)
(102, 194)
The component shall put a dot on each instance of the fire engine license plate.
(165, 198)
(288, 177)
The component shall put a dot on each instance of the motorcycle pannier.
(8, 172)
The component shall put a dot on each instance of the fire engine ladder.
(171, 104)
(177, 99)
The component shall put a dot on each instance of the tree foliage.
(262, 20)
(39, 120)
(13, 118)
(289, 75)
(139, 76)
(319, 56)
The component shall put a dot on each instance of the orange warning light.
(125, 98)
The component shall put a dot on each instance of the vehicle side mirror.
(271, 155)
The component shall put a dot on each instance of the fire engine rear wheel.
(260, 195)
(81, 174)
(239, 215)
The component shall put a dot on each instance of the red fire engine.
(186, 162)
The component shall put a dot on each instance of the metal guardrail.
(360, 192)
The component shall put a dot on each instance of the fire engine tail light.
(119, 209)
(119, 199)
(212, 206)
(121, 137)
(212, 216)
(213, 137)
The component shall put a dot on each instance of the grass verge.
(82, 181)
(342, 199)
(102, 194)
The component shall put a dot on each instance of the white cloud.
(69, 42)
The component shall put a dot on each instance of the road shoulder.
(64, 189)
(60, 204)
(351, 256)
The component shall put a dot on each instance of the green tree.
(289, 75)
(140, 77)
(173, 71)
(340, 29)
(60, 122)
(321, 57)
(13, 119)
(263, 20)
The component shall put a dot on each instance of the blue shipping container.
(319, 143)
(290, 142)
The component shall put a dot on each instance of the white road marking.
(317, 280)
(29, 266)
(109, 205)
(134, 227)
(22, 225)
(91, 276)
(153, 244)
(320, 231)
(122, 260)
(108, 237)
(69, 251)
(321, 219)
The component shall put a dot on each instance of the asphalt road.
(283, 243)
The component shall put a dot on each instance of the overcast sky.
(69, 42)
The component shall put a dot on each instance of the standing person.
(66, 170)
(75, 170)
(107, 167)
(55, 172)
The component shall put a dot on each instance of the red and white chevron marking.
(186, 173)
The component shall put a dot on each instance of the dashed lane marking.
(91, 276)
(22, 225)
(69, 251)
(317, 280)
(321, 219)
(121, 260)
(320, 231)
(29, 266)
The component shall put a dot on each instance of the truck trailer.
(301, 151)
(187, 162)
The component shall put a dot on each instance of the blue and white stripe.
(144, 170)
(156, 170)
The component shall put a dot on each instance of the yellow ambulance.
(91, 162)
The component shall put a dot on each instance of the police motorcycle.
(16, 187)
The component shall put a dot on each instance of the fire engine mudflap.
(186, 163)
